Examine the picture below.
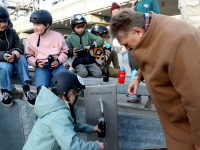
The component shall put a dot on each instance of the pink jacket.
(53, 44)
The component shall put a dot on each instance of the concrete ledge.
(89, 81)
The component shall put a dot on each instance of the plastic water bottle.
(133, 73)
(122, 74)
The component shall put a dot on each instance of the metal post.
(4, 3)
(33, 5)
(107, 96)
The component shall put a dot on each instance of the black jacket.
(9, 41)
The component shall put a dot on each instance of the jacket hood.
(47, 102)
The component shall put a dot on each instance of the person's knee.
(97, 74)
(115, 74)
(82, 73)
(113, 53)
(7, 68)
(22, 58)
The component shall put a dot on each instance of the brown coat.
(169, 59)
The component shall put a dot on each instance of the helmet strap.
(38, 43)
(71, 107)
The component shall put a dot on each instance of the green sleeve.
(68, 42)
(96, 39)
(155, 7)
(85, 128)
(63, 130)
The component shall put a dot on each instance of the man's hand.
(197, 148)
(96, 129)
(9, 58)
(17, 54)
(101, 144)
(55, 64)
(133, 87)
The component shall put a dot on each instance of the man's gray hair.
(124, 21)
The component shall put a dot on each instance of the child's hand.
(9, 58)
(54, 64)
(87, 48)
(96, 129)
(74, 52)
(101, 144)
(40, 64)
(17, 54)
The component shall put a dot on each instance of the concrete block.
(11, 134)
(28, 118)
(10, 113)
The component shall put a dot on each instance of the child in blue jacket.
(56, 126)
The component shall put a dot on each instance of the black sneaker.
(6, 99)
(29, 98)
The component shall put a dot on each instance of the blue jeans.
(43, 75)
(20, 66)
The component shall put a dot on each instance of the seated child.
(11, 59)
(82, 61)
(108, 54)
(43, 43)
(56, 126)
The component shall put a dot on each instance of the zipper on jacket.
(81, 41)
(7, 41)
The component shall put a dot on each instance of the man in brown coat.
(167, 52)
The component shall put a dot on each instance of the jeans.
(20, 66)
(43, 75)
(131, 62)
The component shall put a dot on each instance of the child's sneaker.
(6, 99)
(29, 98)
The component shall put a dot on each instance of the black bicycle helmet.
(99, 29)
(65, 80)
(4, 15)
(41, 17)
(77, 19)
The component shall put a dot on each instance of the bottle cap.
(122, 69)
(107, 45)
